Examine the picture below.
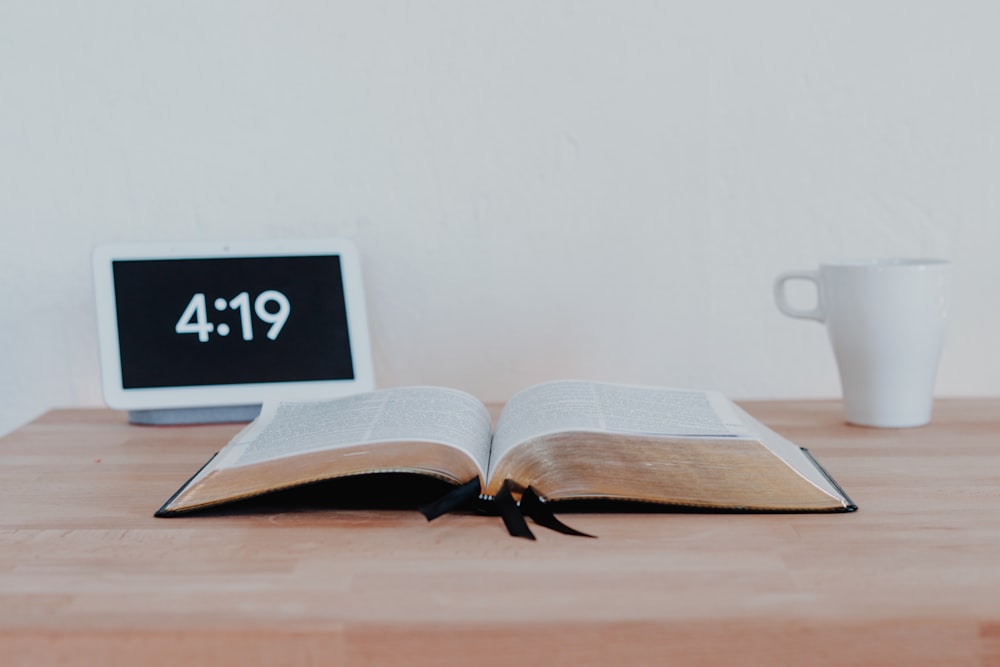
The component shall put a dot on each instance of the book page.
(791, 454)
(592, 406)
(431, 414)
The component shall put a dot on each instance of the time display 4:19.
(194, 319)
(231, 320)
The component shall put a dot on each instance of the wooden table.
(88, 576)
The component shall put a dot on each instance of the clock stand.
(201, 415)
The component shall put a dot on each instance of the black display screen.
(223, 321)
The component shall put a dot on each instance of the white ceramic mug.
(886, 321)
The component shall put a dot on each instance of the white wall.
(540, 189)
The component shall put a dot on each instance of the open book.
(566, 440)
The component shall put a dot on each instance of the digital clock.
(218, 329)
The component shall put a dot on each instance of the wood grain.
(88, 576)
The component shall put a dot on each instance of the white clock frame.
(230, 402)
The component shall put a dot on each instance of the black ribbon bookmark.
(540, 513)
(457, 498)
(510, 510)
(511, 513)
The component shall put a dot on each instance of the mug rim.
(887, 263)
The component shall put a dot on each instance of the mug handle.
(781, 299)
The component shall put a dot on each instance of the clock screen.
(218, 321)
